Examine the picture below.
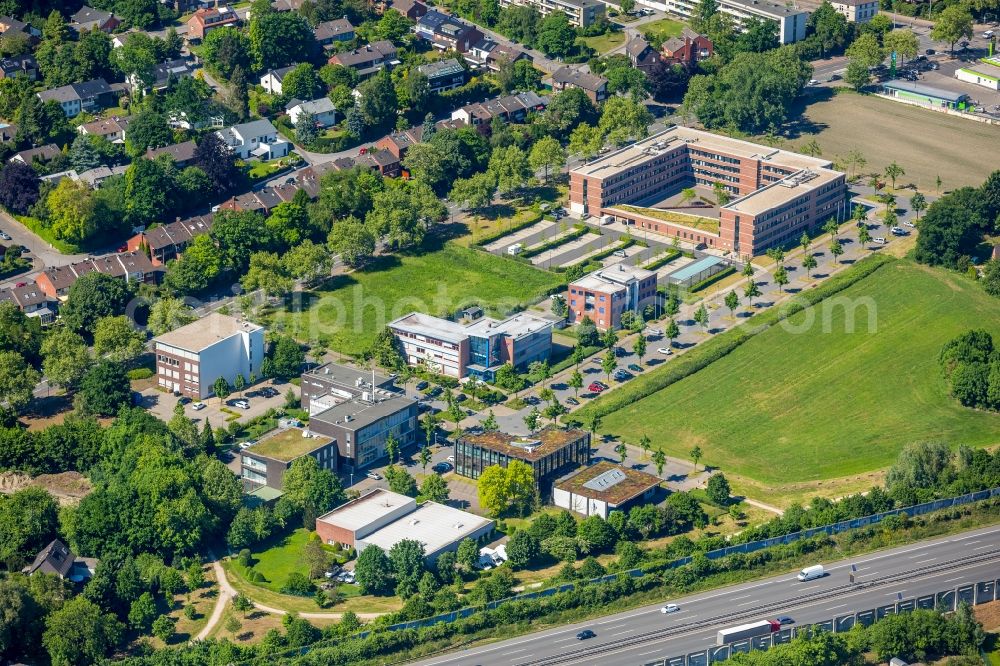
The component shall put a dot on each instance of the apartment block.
(191, 358)
(551, 452)
(581, 13)
(360, 410)
(605, 294)
(791, 21)
(857, 11)
(776, 194)
(447, 33)
(477, 349)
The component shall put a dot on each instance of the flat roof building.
(384, 518)
(551, 452)
(191, 358)
(602, 488)
(581, 13)
(790, 20)
(478, 349)
(918, 93)
(776, 194)
(265, 463)
(606, 293)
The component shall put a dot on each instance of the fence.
(973, 594)
(835, 528)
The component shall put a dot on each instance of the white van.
(810, 573)
(515, 249)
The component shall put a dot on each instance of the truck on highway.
(745, 631)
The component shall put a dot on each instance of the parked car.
(595, 388)
(602, 385)
(654, 331)
(421, 385)
(184, 400)
(907, 223)
(585, 634)
(634, 367)
(621, 375)
(670, 608)
(878, 240)
(898, 231)
(930, 51)
(666, 351)
(198, 406)
(269, 391)
(375, 476)
(531, 400)
(4, 235)
(461, 397)
(241, 403)
(435, 392)
(450, 458)
(442, 467)
(620, 253)
(572, 401)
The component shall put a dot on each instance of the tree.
(857, 75)
(378, 102)
(622, 451)
(671, 331)
(866, 50)
(104, 388)
(19, 185)
(373, 571)
(718, 490)
(147, 129)
(310, 490)
(242, 604)
(522, 548)
(267, 273)
(434, 489)
(142, 612)
(781, 278)
(80, 633)
(809, 263)
(502, 488)
(467, 555)
(539, 372)
(952, 24)
(315, 558)
(830, 28)
(93, 297)
(287, 357)
(213, 156)
(28, 522)
(17, 380)
(609, 339)
(568, 110)
(65, 357)
(72, 211)
(163, 627)
(623, 119)
(609, 363)
(414, 91)
(586, 141)
(518, 75)
(490, 424)
(751, 291)
(659, 459)
(836, 249)
(556, 37)
(509, 167)
(701, 315)
(278, 39)
(168, 314)
(732, 302)
(864, 236)
(117, 339)
(352, 240)
(547, 154)
(894, 171)
(407, 559)
(918, 203)
(531, 420)
(903, 42)
(695, 455)
(221, 388)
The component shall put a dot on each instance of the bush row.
(722, 344)
(662, 260)
(578, 231)
(500, 233)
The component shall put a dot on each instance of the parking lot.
(260, 397)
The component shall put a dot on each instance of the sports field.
(925, 143)
(805, 403)
(353, 308)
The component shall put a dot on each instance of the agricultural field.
(808, 408)
(925, 143)
(348, 313)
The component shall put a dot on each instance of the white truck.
(745, 631)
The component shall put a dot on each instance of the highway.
(645, 634)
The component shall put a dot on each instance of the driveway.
(41, 253)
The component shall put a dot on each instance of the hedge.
(140, 373)
(608, 251)
(712, 280)
(662, 261)
(722, 344)
(489, 238)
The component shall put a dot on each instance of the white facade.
(254, 139)
(791, 22)
(580, 504)
(322, 109)
(987, 76)
(857, 11)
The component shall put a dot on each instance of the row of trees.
(956, 223)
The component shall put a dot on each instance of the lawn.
(697, 222)
(807, 403)
(283, 558)
(662, 29)
(925, 143)
(352, 309)
(604, 43)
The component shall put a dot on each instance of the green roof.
(287, 445)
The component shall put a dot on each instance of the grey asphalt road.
(645, 634)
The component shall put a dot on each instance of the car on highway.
(585, 634)
(670, 608)
(595, 387)
(784, 619)
(4, 235)
(374, 476)
(666, 351)
(634, 367)
(198, 406)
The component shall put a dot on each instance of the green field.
(604, 43)
(798, 404)
(352, 309)
(281, 559)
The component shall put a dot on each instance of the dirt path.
(766, 507)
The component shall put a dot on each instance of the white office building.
(791, 20)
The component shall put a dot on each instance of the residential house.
(257, 138)
(56, 558)
(581, 13)
(594, 85)
(168, 240)
(271, 81)
(132, 266)
(369, 59)
(205, 20)
(95, 177)
(398, 143)
(182, 154)
(322, 109)
(113, 128)
(167, 73)
(89, 18)
(262, 201)
(511, 108)
(411, 9)
(688, 49)
(31, 300)
(76, 98)
(25, 65)
(287, 5)
(447, 33)
(329, 32)
(122, 38)
(10, 25)
(43, 154)
(857, 11)
(642, 56)
(443, 74)
(192, 358)
(504, 53)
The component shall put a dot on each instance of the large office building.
(477, 349)
(775, 194)
(606, 293)
(191, 358)
(581, 13)
(360, 410)
(791, 21)
(551, 452)
(383, 518)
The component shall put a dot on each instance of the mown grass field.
(350, 310)
(807, 403)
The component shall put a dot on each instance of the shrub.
(139, 373)
(245, 558)
(298, 585)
